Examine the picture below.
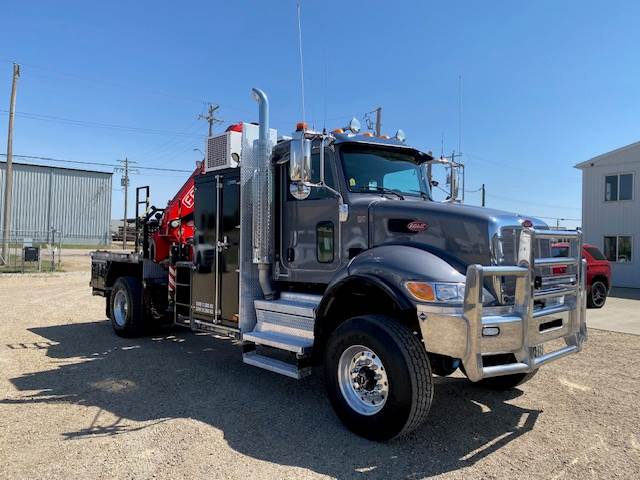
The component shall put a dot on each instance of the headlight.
(436, 291)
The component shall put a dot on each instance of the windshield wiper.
(423, 194)
(382, 190)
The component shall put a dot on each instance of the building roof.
(603, 156)
(58, 168)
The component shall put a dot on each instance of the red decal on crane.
(187, 201)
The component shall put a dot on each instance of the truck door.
(309, 227)
(229, 247)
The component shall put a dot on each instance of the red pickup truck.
(598, 272)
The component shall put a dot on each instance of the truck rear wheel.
(126, 307)
(378, 377)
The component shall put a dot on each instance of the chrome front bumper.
(473, 331)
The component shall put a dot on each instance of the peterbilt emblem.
(417, 226)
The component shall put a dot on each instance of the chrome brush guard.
(543, 309)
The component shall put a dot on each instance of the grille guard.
(523, 327)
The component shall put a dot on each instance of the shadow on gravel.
(263, 415)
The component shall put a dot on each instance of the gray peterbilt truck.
(327, 249)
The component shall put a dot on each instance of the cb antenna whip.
(301, 63)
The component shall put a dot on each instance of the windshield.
(370, 169)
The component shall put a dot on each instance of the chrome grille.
(547, 276)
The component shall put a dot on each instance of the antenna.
(460, 114)
(301, 62)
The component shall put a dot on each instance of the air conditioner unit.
(223, 151)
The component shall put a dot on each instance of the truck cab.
(326, 249)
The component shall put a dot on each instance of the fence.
(39, 250)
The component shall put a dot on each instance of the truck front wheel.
(378, 377)
(126, 307)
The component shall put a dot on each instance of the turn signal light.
(421, 291)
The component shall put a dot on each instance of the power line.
(111, 84)
(136, 88)
(546, 205)
(78, 162)
(89, 123)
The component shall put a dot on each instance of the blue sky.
(545, 84)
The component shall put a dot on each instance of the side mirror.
(300, 159)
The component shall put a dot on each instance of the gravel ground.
(78, 402)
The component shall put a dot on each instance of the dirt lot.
(78, 402)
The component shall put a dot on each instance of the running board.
(275, 365)
(290, 343)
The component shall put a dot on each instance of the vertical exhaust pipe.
(263, 198)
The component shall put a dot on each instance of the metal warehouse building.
(611, 210)
(74, 203)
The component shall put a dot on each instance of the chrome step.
(275, 365)
(302, 307)
(290, 343)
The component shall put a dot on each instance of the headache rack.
(545, 307)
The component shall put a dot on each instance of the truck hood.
(461, 233)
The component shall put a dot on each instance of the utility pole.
(210, 117)
(378, 121)
(125, 169)
(8, 189)
(483, 195)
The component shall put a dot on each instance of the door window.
(324, 242)
(317, 193)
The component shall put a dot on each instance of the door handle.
(224, 244)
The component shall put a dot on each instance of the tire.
(378, 344)
(126, 307)
(597, 295)
(506, 382)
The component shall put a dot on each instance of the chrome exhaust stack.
(263, 198)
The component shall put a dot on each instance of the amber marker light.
(421, 291)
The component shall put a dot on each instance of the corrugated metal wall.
(77, 203)
(600, 218)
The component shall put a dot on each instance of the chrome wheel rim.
(120, 308)
(598, 293)
(363, 380)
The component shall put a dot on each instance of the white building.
(611, 210)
